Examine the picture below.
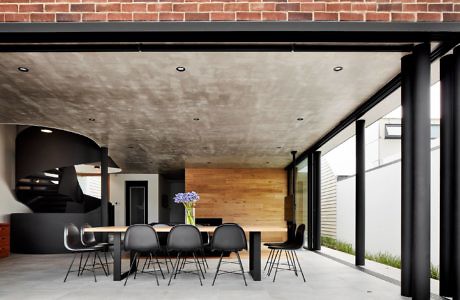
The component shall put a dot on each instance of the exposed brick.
(429, 17)
(336, 7)
(223, 16)
(451, 17)
(378, 16)
(108, 7)
(82, 7)
(236, 6)
(457, 7)
(414, 7)
(351, 16)
(389, 7)
(68, 17)
(274, 16)
(17, 17)
(403, 17)
(119, 16)
(95, 1)
(287, 6)
(173, 16)
(57, 7)
(31, 8)
(248, 16)
(159, 7)
(8, 8)
(39, 17)
(313, 6)
(300, 16)
(145, 16)
(41, 1)
(185, 7)
(196, 16)
(262, 6)
(441, 7)
(134, 7)
(14, 1)
(94, 17)
(363, 7)
(208, 7)
(325, 16)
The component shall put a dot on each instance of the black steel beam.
(317, 200)
(446, 278)
(375, 99)
(104, 186)
(227, 32)
(310, 202)
(360, 219)
(406, 175)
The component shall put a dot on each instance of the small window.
(394, 131)
(435, 131)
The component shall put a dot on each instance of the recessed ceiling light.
(196, 119)
(338, 68)
(97, 167)
(267, 162)
(44, 130)
(279, 147)
(92, 119)
(209, 162)
(23, 69)
(299, 119)
(180, 69)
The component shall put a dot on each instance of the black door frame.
(133, 183)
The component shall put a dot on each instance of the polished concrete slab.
(41, 277)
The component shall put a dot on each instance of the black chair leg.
(290, 256)
(137, 266)
(102, 265)
(93, 269)
(106, 262)
(68, 271)
(79, 265)
(174, 270)
(287, 259)
(84, 265)
(131, 267)
(197, 270)
(155, 270)
(300, 267)
(199, 265)
(241, 266)
(158, 263)
(218, 267)
(272, 263)
(277, 264)
(268, 259)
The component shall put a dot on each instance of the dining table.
(255, 253)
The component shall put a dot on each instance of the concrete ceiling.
(139, 106)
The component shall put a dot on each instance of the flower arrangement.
(188, 200)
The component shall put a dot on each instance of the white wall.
(117, 195)
(8, 202)
(383, 209)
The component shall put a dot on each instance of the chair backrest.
(141, 238)
(72, 239)
(87, 238)
(229, 237)
(162, 236)
(291, 230)
(184, 238)
(300, 236)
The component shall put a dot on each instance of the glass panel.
(137, 204)
(301, 196)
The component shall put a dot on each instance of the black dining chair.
(291, 228)
(163, 239)
(88, 239)
(185, 239)
(291, 255)
(229, 238)
(142, 238)
(72, 242)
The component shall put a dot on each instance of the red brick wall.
(229, 10)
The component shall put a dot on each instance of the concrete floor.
(41, 277)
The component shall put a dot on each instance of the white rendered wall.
(8, 202)
(383, 209)
(117, 195)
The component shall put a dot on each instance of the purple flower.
(190, 197)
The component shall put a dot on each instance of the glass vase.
(189, 216)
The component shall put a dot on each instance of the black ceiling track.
(375, 99)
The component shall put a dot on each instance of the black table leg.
(255, 255)
(117, 256)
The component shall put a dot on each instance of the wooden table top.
(254, 228)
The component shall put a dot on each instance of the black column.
(416, 168)
(310, 202)
(104, 186)
(446, 276)
(317, 200)
(456, 175)
(294, 188)
(360, 194)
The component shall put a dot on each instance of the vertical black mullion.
(317, 200)
(421, 172)
(447, 177)
(310, 202)
(360, 194)
(406, 174)
(104, 188)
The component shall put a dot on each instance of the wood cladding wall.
(243, 196)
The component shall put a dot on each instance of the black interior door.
(136, 202)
